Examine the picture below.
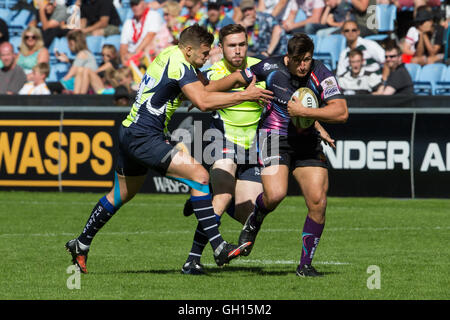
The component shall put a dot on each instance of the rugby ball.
(309, 100)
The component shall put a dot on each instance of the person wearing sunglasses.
(398, 79)
(373, 53)
(32, 51)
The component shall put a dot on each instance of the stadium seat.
(18, 21)
(301, 15)
(413, 69)
(57, 71)
(386, 15)
(113, 39)
(447, 43)
(124, 13)
(94, 44)
(63, 46)
(5, 14)
(428, 76)
(329, 49)
(15, 41)
(443, 86)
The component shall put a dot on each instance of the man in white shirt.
(313, 10)
(373, 53)
(37, 84)
(138, 32)
(358, 80)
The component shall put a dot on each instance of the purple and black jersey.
(283, 84)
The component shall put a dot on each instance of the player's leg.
(222, 182)
(275, 184)
(123, 190)
(313, 182)
(185, 168)
(248, 187)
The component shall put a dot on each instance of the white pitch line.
(121, 233)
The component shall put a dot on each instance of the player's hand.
(323, 134)
(254, 93)
(295, 107)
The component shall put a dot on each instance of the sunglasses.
(30, 37)
(392, 56)
(350, 30)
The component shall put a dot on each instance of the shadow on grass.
(257, 271)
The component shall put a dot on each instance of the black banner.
(404, 154)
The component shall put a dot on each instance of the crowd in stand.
(367, 64)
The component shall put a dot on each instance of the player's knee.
(317, 203)
(274, 198)
(201, 176)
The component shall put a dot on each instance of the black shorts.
(248, 167)
(303, 150)
(140, 151)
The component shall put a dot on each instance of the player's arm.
(324, 135)
(335, 111)
(209, 101)
(234, 80)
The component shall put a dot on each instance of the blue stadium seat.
(447, 44)
(386, 15)
(301, 15)
(58, 71)
(443, 86)
(18, 21)
(63, 46)
(124, 13)
(95, 44)
(329, 49)
(15, 41)
(413, 69)
(113, 39)
(427, 78)
(5, 14)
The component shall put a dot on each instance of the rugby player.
(234, 176)
(299, 149)
(143, 143)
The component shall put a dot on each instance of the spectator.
(52, 17)
(73, 80)
(196, 12)
(398, 79)
(265, 36)
(373, 53)
(424, 42)
(96, 79)
(139, 32)
(12, 77)
(4, 32)
(313, 10)
(99, 18)
(357, 80)
(335, 14)
(32, 50)
(171, 11)
(364, 11)
(276, 8)
(213, 22)
(37, 84)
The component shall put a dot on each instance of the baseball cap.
(247, 4)
(214, 4)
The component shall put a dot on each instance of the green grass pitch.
(139, 253)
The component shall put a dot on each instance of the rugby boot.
(227, 252)
(79, 257)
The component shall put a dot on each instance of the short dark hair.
(195, 36)
(231, 29)
(392, 45)
(299, 45)
(355, 52)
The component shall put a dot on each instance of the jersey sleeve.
(328, 84)
(261, 70)
(188, 75)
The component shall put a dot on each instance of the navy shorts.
(140, 151)
(293, 151)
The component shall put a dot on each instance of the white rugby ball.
(308, 100)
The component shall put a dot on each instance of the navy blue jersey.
(283, 84)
